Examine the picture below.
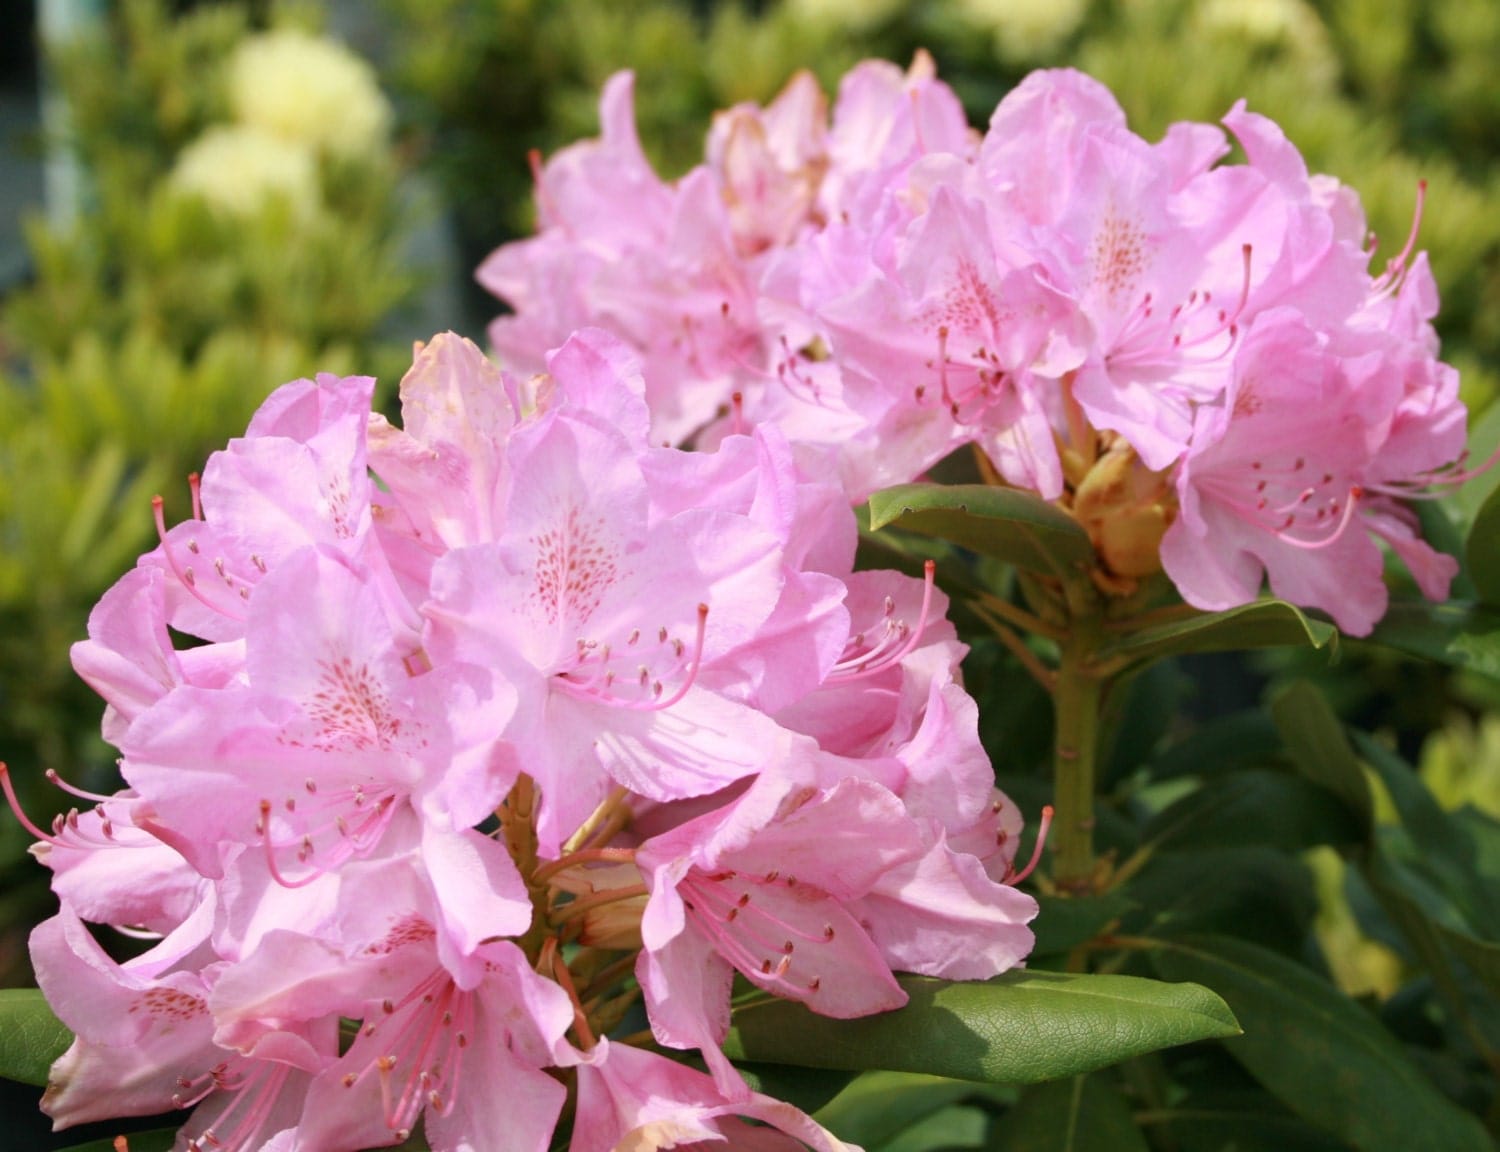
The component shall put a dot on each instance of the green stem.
(1077, 701)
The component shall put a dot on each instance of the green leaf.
(1320, 749)
(1459, 635)
(1257, 806)
(1195, 1126)
(1263, 624)
(1019, 1028)
(1227, 744)
(806, 1088)
(1482, 956)
(31, 1037)
(1017, 527)
(958, 1127)
(1483, 550)
(1320, 1053)
(880, 1104)
(1441, 848)
(1065, 922)
(1138, 715)
(1083, 1114)
(1258, 892)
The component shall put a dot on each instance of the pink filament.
(875, 661)
(1014, 877)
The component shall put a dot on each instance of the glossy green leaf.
(1482, 956)
(1259, 892)
(961, 1126)
(1081, 1114)
(877, 1105)
(1257, 806)
(1224, 745)
(1456, 634)
(1263, 624)
(1140, 712)
(31, 1037)
(1017, 527)
(1320, 748)
(1322, 1054)
(1065, 922)
(1441, 847)
(1196, 1127)
(1483, 551)
(1019, 1028)
(807, 1088)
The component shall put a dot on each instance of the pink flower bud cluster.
(506, 729)
(886, 285)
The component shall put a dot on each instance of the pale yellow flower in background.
(1263, 21)
(1025, 30)
(1461, 764)
(1291, 25)
(238, 168)
(310, 90)
(1360, 965)
(855, 15)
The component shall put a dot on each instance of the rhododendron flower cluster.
(1192, 357)
(500, 727)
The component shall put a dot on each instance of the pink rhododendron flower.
(483, 706)
(632, 1099)
(1058, 292)
(562, 700)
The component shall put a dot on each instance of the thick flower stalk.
(499, 726)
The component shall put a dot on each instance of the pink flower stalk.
(483, 705)
(885, 285)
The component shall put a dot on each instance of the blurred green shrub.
(241, 227)
(486, 82)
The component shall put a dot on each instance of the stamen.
(1395, 268)
(1014, 877)
(185, 574)
(15, 806)
(599, 687)
(1356, 493)
(1438, 482)
(351, 839)
(875, 661)
(787, 372)
(73, 790)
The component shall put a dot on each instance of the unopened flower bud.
(1126, 510)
